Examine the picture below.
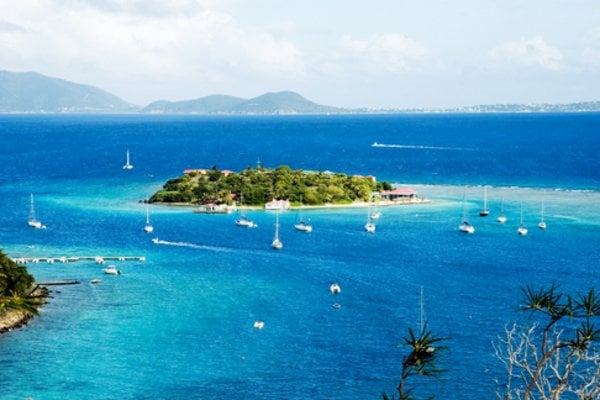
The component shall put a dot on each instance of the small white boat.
(335, 288)
(485, 211)
(369, 226)
(128, 164)
(276, 244)
(244, 222)
(258, 324)
(96, 281)
(303, 226)
(465, 226)
(542, 224)
(501, 217)
(376, 215)
(111, 270)
(148, 228)
(336, 305)
(522, 230)
(155, 240)
(32, 221)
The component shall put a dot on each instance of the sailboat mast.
(31, 208)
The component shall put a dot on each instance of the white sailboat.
(465, 226)
(369, 226)
(32, 221)
(303, 225)
(542, 224)
(244, 221)
(502, 217)
(128, 164)
(277, 245)
(522, 230)
(148, 227)
(485, 211)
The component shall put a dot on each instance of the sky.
(346, 53)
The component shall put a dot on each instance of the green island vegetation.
(260, 185)
(18, 292)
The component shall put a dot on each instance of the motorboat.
(335, 288)
(245, 222)
(111, 270)
(303, 226)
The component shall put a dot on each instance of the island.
(257, 187)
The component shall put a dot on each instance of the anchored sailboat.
(32, 221)
(542, 224)
(148, 228)
(465, 226)
(277, 245)
(244, 221)
(303, 225)
(501, 217)
(128, 164)
(522, 230)
(485, 211)
(369, 226)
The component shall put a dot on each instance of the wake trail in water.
(420, 147)
(193, 245)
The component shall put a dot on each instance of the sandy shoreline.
(361, 204)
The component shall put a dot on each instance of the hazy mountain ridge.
(31, 92)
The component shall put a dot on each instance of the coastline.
(14, 319)
(358, 204)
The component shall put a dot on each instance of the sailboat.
(485, 212)
(148, 228)
(369, 226)
(302, 225)
(32, 221)
(542, 224)
(522, 230)
(465, 226)
(277, 245)
(244, 221)
(501, 217)
(128, 164)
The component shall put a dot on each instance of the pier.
(65, 260)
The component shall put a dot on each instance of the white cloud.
(531, 52)
(117, 47)
(393, 53)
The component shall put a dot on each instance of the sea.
(179, 325)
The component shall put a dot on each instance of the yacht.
(335, 288)
(303, 225)
(485, 211)
(522, 230)
(465, 226)
(32, 221)
(542, 224)
(244, 221)
(276, 244)
(128, 164)
(369, 226)
(501, 217)
(111, 270)
(148, 227)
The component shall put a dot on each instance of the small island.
(255, 187)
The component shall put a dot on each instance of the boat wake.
(191, 245)
(420, 147)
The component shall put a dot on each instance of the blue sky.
(349, 53)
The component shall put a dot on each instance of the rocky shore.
(13, 319)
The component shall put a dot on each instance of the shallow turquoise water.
(180, 324)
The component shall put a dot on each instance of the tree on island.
(17, 289)
(260, 185)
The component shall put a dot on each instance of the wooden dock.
(65, 260)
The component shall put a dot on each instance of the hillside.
(30, 92)
(267, 104)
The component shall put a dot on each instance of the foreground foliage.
(260, 185)
(17, 290)
(555, 354)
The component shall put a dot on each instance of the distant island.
(34, 93)
(258, 186)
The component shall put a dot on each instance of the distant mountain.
(266, 104)
(30, 92)
(204, 105)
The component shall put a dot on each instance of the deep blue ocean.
(179, 326)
